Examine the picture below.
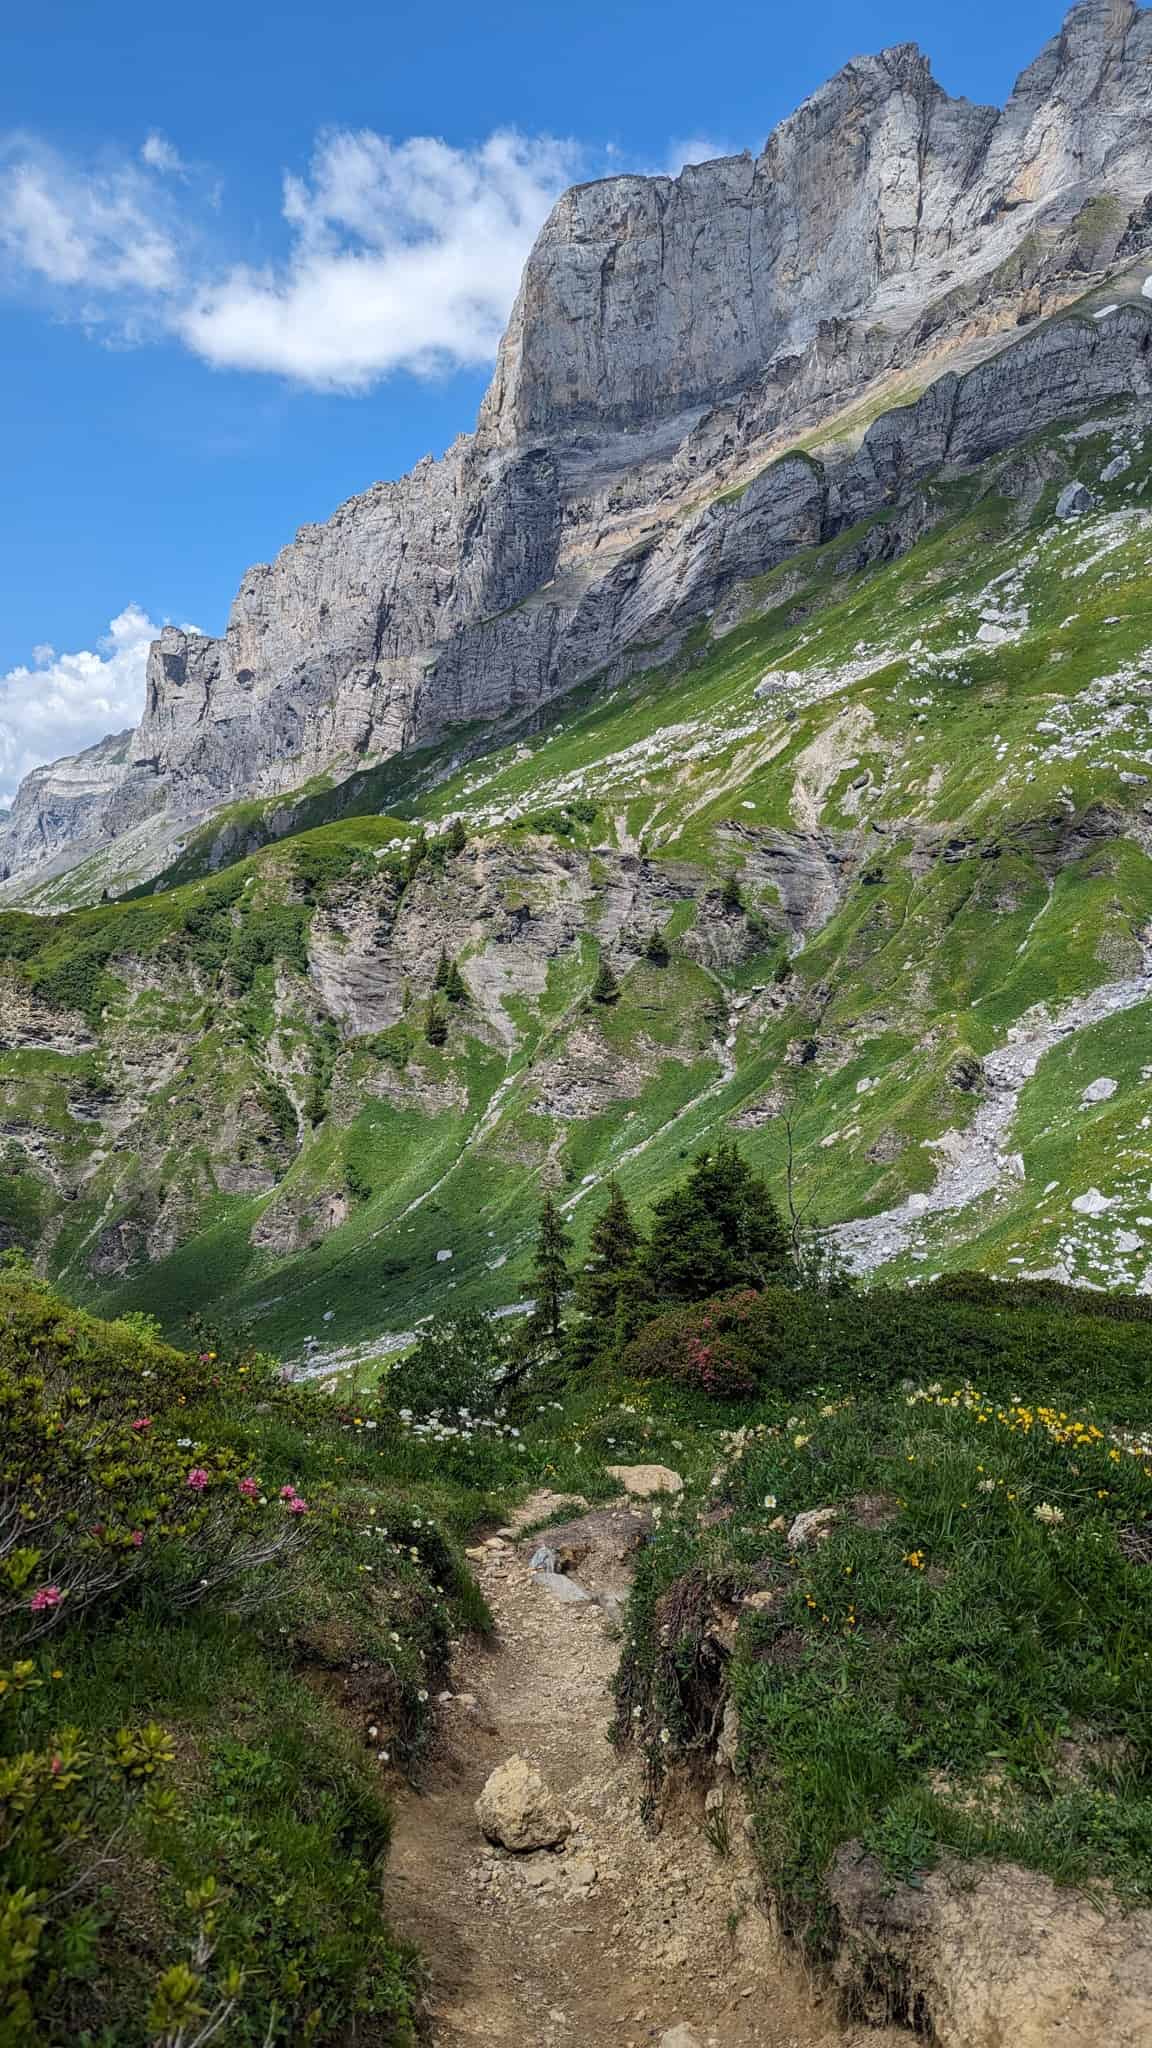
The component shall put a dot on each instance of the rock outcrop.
(976, 1957)
(668, 335)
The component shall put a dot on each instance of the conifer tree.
(717, 1230)
(457, 836)
(730, 897)
(609, 1281)
(605, 988)
(656, 949)
(443, 968)
(435, 1025)
(550, 1279)
(455, 986)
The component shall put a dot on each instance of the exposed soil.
(619, 1935)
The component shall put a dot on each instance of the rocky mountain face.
(670, 339)
(869, 862)
(780, 646)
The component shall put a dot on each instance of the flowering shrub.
(707, 1349)
(152, 1546)
(64, 1808)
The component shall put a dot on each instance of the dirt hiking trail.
(617, 1938)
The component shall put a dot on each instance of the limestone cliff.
(671, 336)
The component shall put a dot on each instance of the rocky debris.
(1074, 500)
(601, 1546)
(1093, 1203)
(586, 1076)
(767, 1600)
(561, 1587)
(517, 1811)
(1099, 1091)
(642, 1481)
(728, 1741)
(983, 1955)
(814, 1526)
(976, 1160)
(293, 1223)
(29, 1025)
(600, 1540)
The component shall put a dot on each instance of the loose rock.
(813, 1526)
(517, 1810)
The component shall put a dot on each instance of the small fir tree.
(457, 836)
(730, 897)
(443, 968)
(455, 986)
(435, 1025)
(550, 1280)
(608, 1289)
(605, 988)
(657, 948)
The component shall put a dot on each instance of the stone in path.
(517, 1810)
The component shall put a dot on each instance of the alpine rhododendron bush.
(1056, 1343)
(192, 1832)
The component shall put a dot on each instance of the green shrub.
(704, 1349)
(459, 1362)
(791, 1339)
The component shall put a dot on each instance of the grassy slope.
(996, 747)
(950, 1670)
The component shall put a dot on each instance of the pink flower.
(56, 1766)
(142, 1422)
(48, 1596)
(296, 1506)
(137, 1537)
(197, 1479)
(250, 1488)
(287, 1493)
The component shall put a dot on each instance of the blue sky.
(212, 324)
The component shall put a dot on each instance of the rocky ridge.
(923, 753)
(670, 337)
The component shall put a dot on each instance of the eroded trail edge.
(619, 1937)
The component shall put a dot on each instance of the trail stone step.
(642, 1481)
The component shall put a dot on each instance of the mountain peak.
(667, 334)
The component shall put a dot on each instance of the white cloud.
(404, 255)
(101, 231)
(161, 155)
(695, 149)
(65, 702)
(394, 255)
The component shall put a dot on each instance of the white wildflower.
(1050, 1516)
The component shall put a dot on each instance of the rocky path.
(617, 1938)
